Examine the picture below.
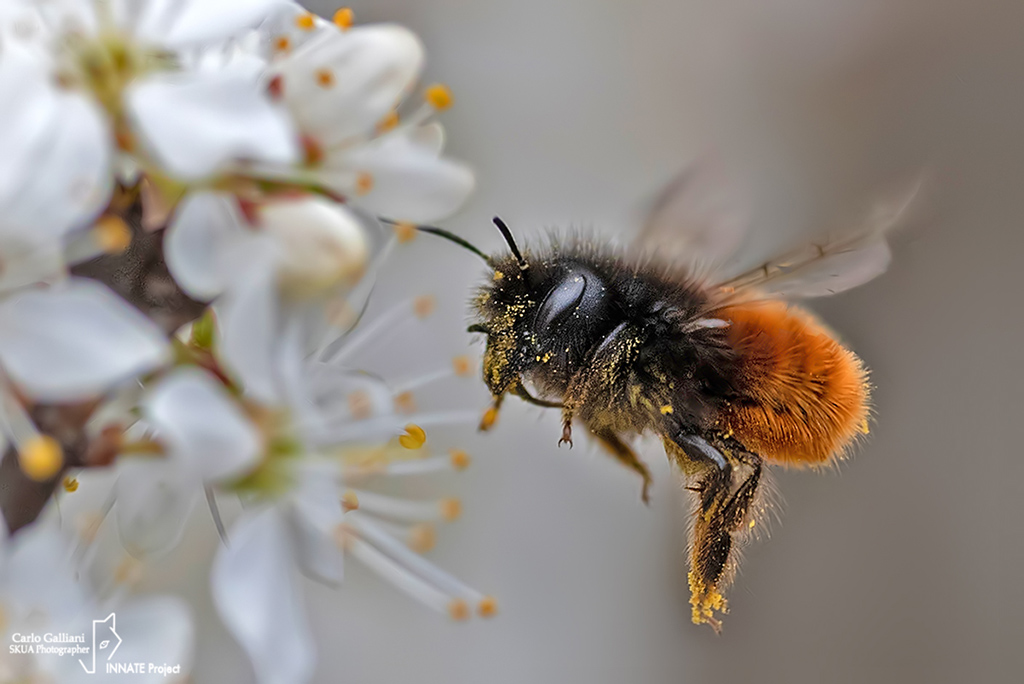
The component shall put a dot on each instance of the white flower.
(42, 590)
(207, 439)
(343, 87)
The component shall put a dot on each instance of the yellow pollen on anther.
(405, 232)
(421, 537)
(665, 410)
(112, 234)
(282, 44)
(423, 306)
(438, 96)
(451, 509)
(458, 610)
(488, 607)
(364, 183)
(344, 18)
(460, 459)
(70, 484)
(349, 501)
(390, 121)
(305, 21)
(414, 437)
(324, 77)
(41, 457)
(405, 402)
(463, 365)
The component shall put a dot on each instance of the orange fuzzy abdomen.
(803, 397)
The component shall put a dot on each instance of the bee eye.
(577, 293)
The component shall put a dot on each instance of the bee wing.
(842, 262)
(696, 221)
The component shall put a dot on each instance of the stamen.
(460, 459)
(325, 79)
(463, 365)
(489, 418)
(282, 44)
(394, 573)
(438, 96)
(458, 610)
(306, 21)
(275, 87)
(422, 537)
(112, 234)
(360, 405)
(397, 508)
(451, 509)
(40, 457)
(349, 501)
(125, 141)
(70, 484)
(405, 402)
(364, 183)
(423, 306)
(389, 122)
(421, 466)
(344, 18)
(414, 437)
(405, 232)
(488, 607)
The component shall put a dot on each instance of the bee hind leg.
(627, 457)
(722, 512)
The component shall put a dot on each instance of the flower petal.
(410, 182)
(341, 84)
(255, 591)
(154, 500)
(38, 574)
(314, 516)
(205, 428)
(180, 23)
(198, 122)
(205, 243)
(75, 340)
(55, 170)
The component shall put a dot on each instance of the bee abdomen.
(803, 397)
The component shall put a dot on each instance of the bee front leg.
(625, 456)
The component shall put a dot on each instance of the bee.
(651, 339)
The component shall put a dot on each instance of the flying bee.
(649, 339)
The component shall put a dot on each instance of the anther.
(306, 21)
(462, 365)
(275, 87)
(70, 484)
(344, 18)
(349, 501)
(488, 607)
(405, 402)
(423, 306)
(451, 509)
(390, 121)
(41, 458)
(312, 152)
(112, 234)
(458, 610)
(438, 96)
(324, 77)
(489, 418)
(459, 458)
(364, 183)
(360, 405)
(282, 44)
(421, 537)
(405, 232)
(414, 437)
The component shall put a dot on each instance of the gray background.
(900, 566)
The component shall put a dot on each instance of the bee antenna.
(507, 234)
(451, 237)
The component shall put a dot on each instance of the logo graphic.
(103, 635)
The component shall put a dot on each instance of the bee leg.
(736, 508)
(566, 428)
(626, 457)
(712, 537)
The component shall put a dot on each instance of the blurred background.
(902, 565)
